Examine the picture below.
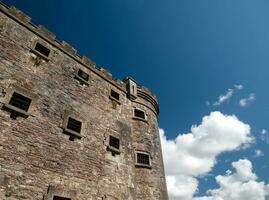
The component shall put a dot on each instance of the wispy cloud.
(264, 136)
(246, 101)
(238, 87)
(226, 96)
(223, 98)
(258, 153)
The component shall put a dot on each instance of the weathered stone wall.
(37, 160)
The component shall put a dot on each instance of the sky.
(208, 63)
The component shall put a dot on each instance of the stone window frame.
(81, 80)
(113, 98)
(141, 164)
(112, 149)
(12, 109)
(139, 118)
(61, 192)
(33, 50)
(72, 134)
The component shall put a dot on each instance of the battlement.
(24, 20)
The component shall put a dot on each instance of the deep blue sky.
(185, 51)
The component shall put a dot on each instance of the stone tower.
(69, 130)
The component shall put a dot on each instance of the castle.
(68, 129)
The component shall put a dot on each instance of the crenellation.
(87, 61)
(44, 31)
(68, 48)
(106, 73)
(19, 14)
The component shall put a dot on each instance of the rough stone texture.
(37, 160)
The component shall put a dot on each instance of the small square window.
(19, 101)
(60, 198)
(143, 159)
(18, 105)
(74, 125)
(139, 114)
(115, 95)
(82, 76)
(42, 49)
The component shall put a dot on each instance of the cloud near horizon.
(194, 154)
(241, 185)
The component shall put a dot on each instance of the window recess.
(139, 114)
(114, 145)
(18, 105)
(73, 128)
(143, 159)
(114, 96)
(41, 50)
(82, 77)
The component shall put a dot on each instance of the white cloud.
(241, 185)
(194, 154)
(238, 87)
(246, 101)
(258, 153)
(225, 97)
(264, 136)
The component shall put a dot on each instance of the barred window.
(19, 101)
(143, 159)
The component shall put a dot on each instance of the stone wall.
(37, 160)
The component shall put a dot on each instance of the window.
(60, 198)
(74, 125)
(140, 114)
(19, 101)
(143, 159)
(73, 128)
(42, 49)
(18, 105)
(115, 95)
(83, 75)
(114, 142)
(113, 145)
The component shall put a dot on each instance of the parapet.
(67, 49)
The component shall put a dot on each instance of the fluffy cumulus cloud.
(194, 154)
(246, 101)
(241, 185)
